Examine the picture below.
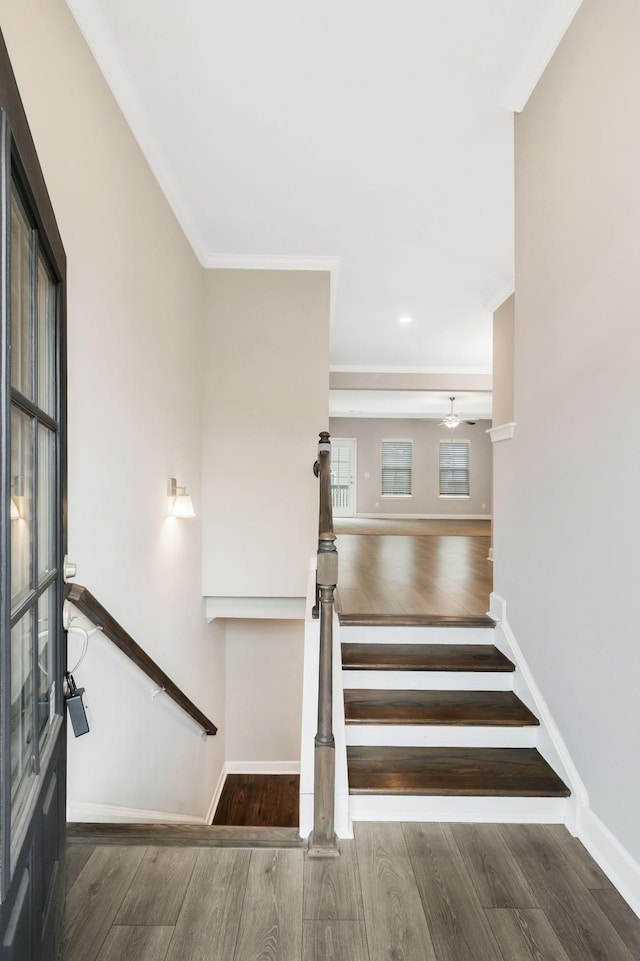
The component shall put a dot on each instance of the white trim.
(215, 800)
(502, 432)
(93, 25)
(270, 262)
(501, 296)
(262, 767)
(439, 735)
(478, 810)
(377, 369)
(490, 555)
(113, 813)
(264, 608)
(540, 48)
(613, 858)
(426, 517)
(551, 743)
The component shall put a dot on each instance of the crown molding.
(502, 432)
(270, 262)
(93, 28)
(373, 369)
(541, 47)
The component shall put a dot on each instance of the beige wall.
(135, 307)
(266, 363)
(264, 678)
(503, 355)
(566, 487)
(426, 436)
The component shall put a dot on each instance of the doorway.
(343, 476)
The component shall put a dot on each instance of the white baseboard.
(613, 858)
(425, 517)
(112, 813)
(216, 795)
(262, 767)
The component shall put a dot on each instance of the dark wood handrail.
(323, 842)
(88, 605)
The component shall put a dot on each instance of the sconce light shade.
(180, 502)
(15, 513)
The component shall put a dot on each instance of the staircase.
(433, 728)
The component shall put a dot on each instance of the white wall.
(566, 518)
(264, 680)
(426, 436)
(503, 334)
(266, 369)
(135, 309)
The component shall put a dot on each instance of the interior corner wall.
(135, 311)
(264, 672)
(566, 487)
(266, 370)
(503, 348)
(426, 436)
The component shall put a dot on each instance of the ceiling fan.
(452, 419)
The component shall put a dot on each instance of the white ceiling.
(369, 137)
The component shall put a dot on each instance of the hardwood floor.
(415, 892)
(259, 800)
(409, 574)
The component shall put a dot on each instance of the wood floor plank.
(77, 856)
(583, 929)
(396, 925)
(591, 874)
(456, 919)
(95, 899)
(271, 922)
(125, 943)
(332, 889)
(493, 869)
(334, 941)
(159, 887)
(624, 920)
(259, 800)
(525, 935)
(207, 927)
(185, 835)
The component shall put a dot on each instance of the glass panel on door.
(46, 669)
(343, 477)
(21, 339)
(22, 735)
(21, 505)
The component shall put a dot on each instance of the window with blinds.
(397, 456)
(454, 468)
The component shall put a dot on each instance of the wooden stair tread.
(184, 835)
(459, 708)
(415, 620)
(424, 657)
(462, 771)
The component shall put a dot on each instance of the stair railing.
(323, 842)
(87, 604)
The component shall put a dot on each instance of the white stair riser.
(531, 810)
(405, 735)
(416, 635)
(428, 680)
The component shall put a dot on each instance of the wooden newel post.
(323, 841)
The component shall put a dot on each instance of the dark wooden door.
(32, 545)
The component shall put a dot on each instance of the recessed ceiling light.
(404, 320)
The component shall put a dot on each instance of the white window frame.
(396, 495)
(449, 495)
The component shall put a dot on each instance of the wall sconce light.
(15, 512)
(181, 505)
